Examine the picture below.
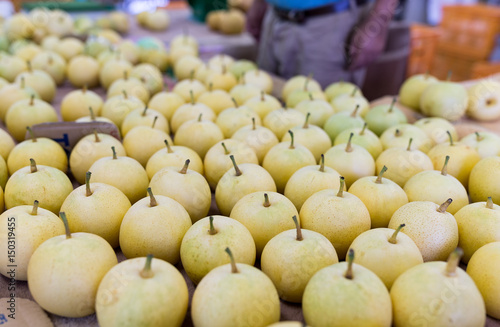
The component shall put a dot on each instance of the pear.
(483, 101)
(198, 135)
(436, 128)
(12, 93)
(345, 102)
(241, 66)
(217, 100)
(247, 178)
(298, 96)
(263, 104)
(342, 87)
(49, 42)
(83, 70)
(216, 63)
(203, 244)
(403, 163)
(141, 142)
(131, 85)
(155, 225)
(412, 89)
(288, 324)
(118, 107)
(4, 175)
(181, 51)
(92, 118)
(233, 21)
(487, 144)
(381, 117)
(265, 215)
(184, 39)
(25, 51)
(40, 81)
(308, 180)
(185, 186)
(437, 294)
(381, 196)
(185, 65)
(132, 53)
(339, 216)
(69, 48)
(32, 226)
(111, 170)
(48, 185)
(341, 121)
(3, 82)
(52, 63)
(232, 119)
(436, 186)
(76, 104)
(88, 150)
(464, 158)
(259, 78)
(217, 161)
(351, 161)
(166, 103)
(483, 180)
(59, 277)
(320, 110)
(112, 70)
(159, 58)
(45, 151)
(280, 121)
(28, 112)
(185, 87)
(399, 136)
(259, 138)
(312, 137)
(386, 252)
(362, 137)
(346, 294)
(144, 117)
(174, 155)
(284, 159)
(478, 224)
(444, 99)
(201, 72)
(11, 66)
(223, 80)
(483, 269)
(6, 144)
(292, 257)
(149, 75)
(191, 111)
(158, 20)
(243, 92)
(298, 83)
(255, 302)
(141, 300)
(109, 54)
(97, 208)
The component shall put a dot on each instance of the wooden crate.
(460, 68)
(423, 45)
(484, 69)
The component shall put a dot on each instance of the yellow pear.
(412, 89)
(149, 285)
(185, 66)
(185, 87)
(141, 142)
(363, 137)
(149, 75)
(430, 226)
(280, 121)
(40, 81)
(297, 83)
(242, 92)
(436, 128)
(12, 93)
(6, 144)
(4, 175)
(399, 136)
(69, 47)
(263, 104)
(338, 88)
(259, 138)
(166, 103)
(52, 63)
(11, 66)
(344, 102)
(76, 104)
(190, 111)
(483, 180)
(83, 70)
(386, 252)
(144, 117)
(198, 135)
(217, 62)
(437, 294)
(487, 144)
(217, 100)
(223, 80)
(292, 257)
(131, 85)
(59, 277)
(320, 110)
(232, 119)
(118, 107)
(92, 118)
(184, 39)
(154, 225)
(112, 70)
(173, 156)
(203, 244)
(259, 78)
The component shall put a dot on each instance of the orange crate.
(460, 68)
(484, 69)
(423, 44)
(469, 31)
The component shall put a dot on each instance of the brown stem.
(84, 88)
(362, 132)
(30, 131)
(394, 236)
(97, 139)
(238, 171)
(88, 191)
(199, 117)
(152, 199)
(398, 133)
(340, 193)
(34, 212)
(266, 204)
(379, 177)
(452, 263)
(306, 83)
(297, 226)
(212, 230)
(66, 225)
(185, 167)
(442, 208)
(262, 96)
(489, 203)
(125, 75)
(355, 112)
(348, 147)
(146, 272)
(169, 149)
(478, 137)
(350, 259)
(33, 167)
(391, 108)
(310, 96)
(322, 163)
(125, 95)
(234, 269)
(444, 170)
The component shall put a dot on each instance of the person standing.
(332, 40)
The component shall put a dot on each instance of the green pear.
(48, 185)
(185, 87)
(154, 225)
(299, 82)
(166, 103)
(362, 137)
(436, 128)
(185, 186)
(335, 89)
(261, 139)
(265, 215)
(31, 226)
(242, 92)
(203, 244)
(144, 117)
(263, 104)
(59, 278)
(241, 66)
(381, 117)
(76, 104)
(339, 216)
(150, 287)
(118, 107)
(174, 155)
(448, 100)
(217, 100)
(381, 196)
(246, 178)
(437, 294)
(412, 89)
(298, 96)
(400, 135)
(345, 102)
(341, 121)
(280, 121)
(232, 119)
(244, 288)
(191, 111)
(386, 252)
(148, 74)
(12, 93)
(487, 144)
(83, 70)
(483, 180)
(437, 186)
(346, 294)
(292, 257)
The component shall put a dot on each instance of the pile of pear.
(314, 197)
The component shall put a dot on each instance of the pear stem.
(489, 203)
(310, 96)
(452, 263)
(212, 230)
(234, 102)
(362, 132)
(409, 144)
(191, 75)
(84, 88)
(297, 226)
(450, 137)
(478, 137)
(391, 108)
(22, 84)
(34, 212)
(144, 111)
(340, 193)
(353, 93)
(306, 123)
(125, 75)
(442, 208)
(66, 225)
(393, 239)
(92, 114)
(254, 127)
(379, 177)
(88, 191)
(33, 167)
(226, 152)
(397, 133)
(238, 171)
(306, 83)
(262, 96)
(146, 272)
(97, 139)
(191, 96)
(266, 204)
(152, 199)
(154, 122)
(114, 153)
(444, 171)
(348, 147)
(33, 137)
(234, 269)
(169, 149)
(32, 100)
(350, 259)
(322, 163)
(199, 117)
(125, 95)
(355, 111)
(185, 167)
(292, 146)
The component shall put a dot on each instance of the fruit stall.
(151, 174)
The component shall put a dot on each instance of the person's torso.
(302, 4)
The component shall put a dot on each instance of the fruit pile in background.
(351, 210)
